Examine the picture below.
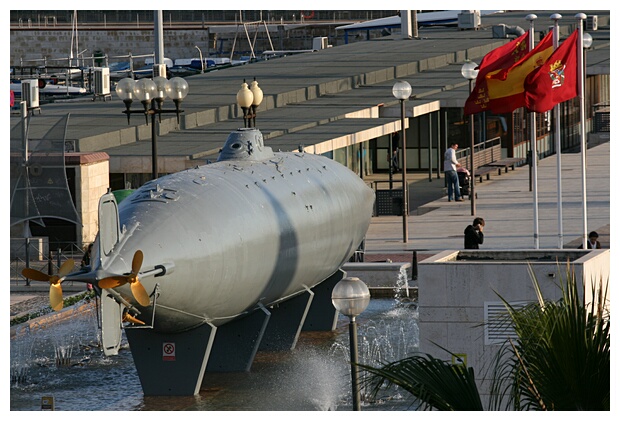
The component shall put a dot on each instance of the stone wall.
(30, 46)
(92, 181)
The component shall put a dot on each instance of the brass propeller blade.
(56, 297)
(137, 289)
(66, 268)
(112, 282)
(140, 293)
(36, 275)
(136, 263)
(56, 301)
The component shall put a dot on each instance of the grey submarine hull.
(206, 267)
(252, 229)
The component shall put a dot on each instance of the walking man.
(450, 164)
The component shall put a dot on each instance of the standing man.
(450, 164)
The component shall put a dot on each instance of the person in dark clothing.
(394, 152)
(474, 235)
(86, 258)
(593, 242)
(86, 262)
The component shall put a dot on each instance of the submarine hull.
(244, 232)
(211, 265)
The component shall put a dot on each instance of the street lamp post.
(245, 97)
(402, 91)
(151, 94)
(350, 297)
(470, 73)
(587, 42)
(257, 95)
(390, 155)
(145, 91)
(248, 100)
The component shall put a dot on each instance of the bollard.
(27, 258)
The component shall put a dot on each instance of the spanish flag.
(506, 87)
(500, 58)
(556, 80)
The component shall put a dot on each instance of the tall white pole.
(534, 153)
(558, 144)
(582, 127)
(405, 24)
(159, 37)
(74, 38)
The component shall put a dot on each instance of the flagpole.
(558, 144)
(534, 153)
(582, 127)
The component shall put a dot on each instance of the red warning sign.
(169, 351)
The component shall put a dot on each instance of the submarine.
(205, 267)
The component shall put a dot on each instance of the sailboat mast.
(74, 41)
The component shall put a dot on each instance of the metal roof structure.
(324, 99)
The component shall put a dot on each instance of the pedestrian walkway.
(507, 205)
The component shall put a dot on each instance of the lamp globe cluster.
(248, 99)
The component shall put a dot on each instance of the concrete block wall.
(92, 181)
(454, 287)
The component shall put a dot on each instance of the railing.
(38, 68)
(47, 263)
(602, 121)
(188, 18)
(484, 153)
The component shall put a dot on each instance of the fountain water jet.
(314, 376)
(388, 332)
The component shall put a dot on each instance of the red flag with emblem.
(500, 58)
(556, 80)
(505, 87)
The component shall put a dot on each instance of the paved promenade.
(506, 204)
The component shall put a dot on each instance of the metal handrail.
(48, 264)
(463, 152)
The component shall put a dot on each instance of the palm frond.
(434, 383)
(561, 360)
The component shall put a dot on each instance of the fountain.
(62, 360)
(20, 362)
(384, 279)
(390, 334)
(50, 343)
